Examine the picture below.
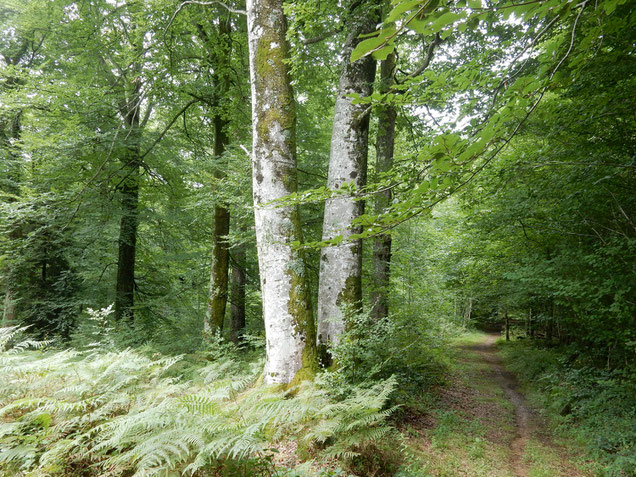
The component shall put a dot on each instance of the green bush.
(598, 405)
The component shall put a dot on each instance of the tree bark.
(125, 288)
(507, 321)
(10, 131)
(129, 190)
(237, 295)
(287, 310)
(217, 291)
(341, 265)
(384, 147)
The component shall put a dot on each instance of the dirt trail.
(481, 425)
(523, 415)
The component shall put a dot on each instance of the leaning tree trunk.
(217, 291)
(289, 325)
(384, 146)
(129, 190)
(340, 282)
(237, 295)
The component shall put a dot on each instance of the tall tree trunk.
(10, 130)
(125, 288)
(237, 295)
(129, 190)
(287, 310)
(217, 291)
(341, 265)
(384, 146)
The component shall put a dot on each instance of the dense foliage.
(495, 188)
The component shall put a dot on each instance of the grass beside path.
(480, 425)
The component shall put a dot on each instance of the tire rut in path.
(523, 416)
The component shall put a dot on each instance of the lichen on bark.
(287, 311)
(341, 265)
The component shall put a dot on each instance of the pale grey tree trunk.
(289, 325)
(341, 265)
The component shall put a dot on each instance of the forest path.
(480, 424)
(523, 418)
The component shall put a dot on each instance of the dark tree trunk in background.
(10, 130)
(124, 299)
(10, 184)
(129, 191)
(507, 321)
(217, 291)
(237, 295)
(384, 147)
(549, 332)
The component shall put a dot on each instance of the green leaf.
(419, 26)
(383, 52)
(610, 6)
(400, 8)
(446, 19)
(365, 47)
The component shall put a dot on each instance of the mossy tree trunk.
(10, 129)
(287, 310)
(217, 291)
(340, 282)
(237, 295)
(384, 146)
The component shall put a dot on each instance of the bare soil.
(523, 416)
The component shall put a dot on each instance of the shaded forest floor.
(481, 424)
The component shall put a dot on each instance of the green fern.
(121, 413)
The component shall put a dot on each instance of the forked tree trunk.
(384, 146)
(237, 295)
(217, 290)
(340, 282)
(289, 325)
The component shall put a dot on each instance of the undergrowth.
(100, 411)
(597, 406)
